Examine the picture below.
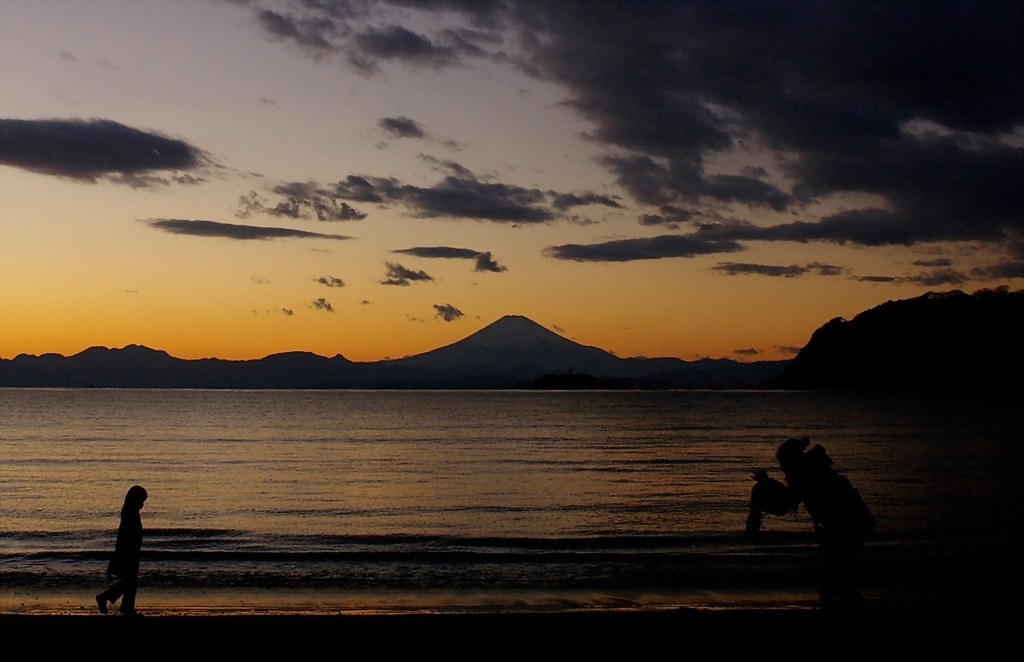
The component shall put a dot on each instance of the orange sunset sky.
(235, 179)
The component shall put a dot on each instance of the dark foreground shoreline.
(735, 633)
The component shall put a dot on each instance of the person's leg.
(111, 595)
(828, 589)
(129, 589)
(849, 579)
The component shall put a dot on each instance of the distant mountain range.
(950, 342)
(510, 353)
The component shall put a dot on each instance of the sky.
(378, 179)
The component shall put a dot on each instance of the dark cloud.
(450, 143)
(323, 304)
(563, 201)
(939, 262)
(183, 178)
(94, 150)
(653, 248)
(459, 195)
(903, 101)
(826, 269)
(396, 274)
(445, 252)
(658, 219)
(937, 189)
(1005, 269)
(68, 56)
(299, 200)
(287, 312)
(791, 271)
(447, 312)
(835, 86)
(469, 198)
(447, 167)
(926, 278)
(233, 231)
(395, 43)
(484, 261)
(787, 349)
(402, 127)
(330, 281)
(750, 351)
(866, 227)
(327, 28)
(356, 188)
(659, 183)
(938, 277)
(670, 217)
(311, 34)
(260, 280)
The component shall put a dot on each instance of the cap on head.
(792, 449)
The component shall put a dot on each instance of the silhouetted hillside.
(510, 353)
(938, 341)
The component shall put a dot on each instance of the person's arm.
(768, 496)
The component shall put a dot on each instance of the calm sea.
(390, 500)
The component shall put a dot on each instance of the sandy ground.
(731, 634)
(979, 621)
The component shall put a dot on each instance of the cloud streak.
(199, 228)
(653, 248)
(483, 260)
(931, 278)
(791, 271)
(564, 201)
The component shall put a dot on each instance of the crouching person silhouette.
(841, 520)
(125, 564)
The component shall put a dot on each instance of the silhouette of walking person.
(125, 564)
(841, 520)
